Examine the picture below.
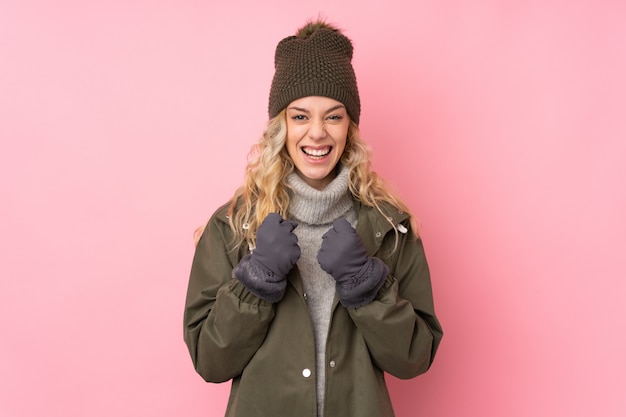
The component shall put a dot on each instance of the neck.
(312, 206)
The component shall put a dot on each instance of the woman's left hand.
(358, 276)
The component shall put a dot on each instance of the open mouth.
(317, 153)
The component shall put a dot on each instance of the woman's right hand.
(276, 245)
(264, 271)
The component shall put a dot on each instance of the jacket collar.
(372, 226)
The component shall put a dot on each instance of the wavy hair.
(265, 188)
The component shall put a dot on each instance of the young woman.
(310, 283)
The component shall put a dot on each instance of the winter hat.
(314, 62)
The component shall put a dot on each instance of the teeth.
(316, 152)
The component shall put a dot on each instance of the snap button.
(306, 372)
(245, 226)
(378, 234)
(332, 364)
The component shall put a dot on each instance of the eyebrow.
(332, 109)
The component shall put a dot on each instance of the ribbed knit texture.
(319, 64)
(315, 211)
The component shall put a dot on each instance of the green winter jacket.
(268, 350)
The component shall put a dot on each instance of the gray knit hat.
(314, 62)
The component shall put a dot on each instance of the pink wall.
(125, 124)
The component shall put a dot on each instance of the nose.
(317, 130)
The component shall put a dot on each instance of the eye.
(298, 117)
(335, 117)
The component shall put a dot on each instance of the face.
(317, 130)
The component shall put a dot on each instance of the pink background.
(124, 124)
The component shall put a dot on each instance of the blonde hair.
(265, 188)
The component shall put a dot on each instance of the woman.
(310, 283)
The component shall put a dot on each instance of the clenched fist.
(358, 276)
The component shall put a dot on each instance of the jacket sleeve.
(224, 324)
(400, 327)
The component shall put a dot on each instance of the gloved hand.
(264, 271)
(358, 276)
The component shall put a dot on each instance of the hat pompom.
(313, 26)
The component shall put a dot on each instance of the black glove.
(358, 276)
(264, 271)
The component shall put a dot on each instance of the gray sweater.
(315, 211)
